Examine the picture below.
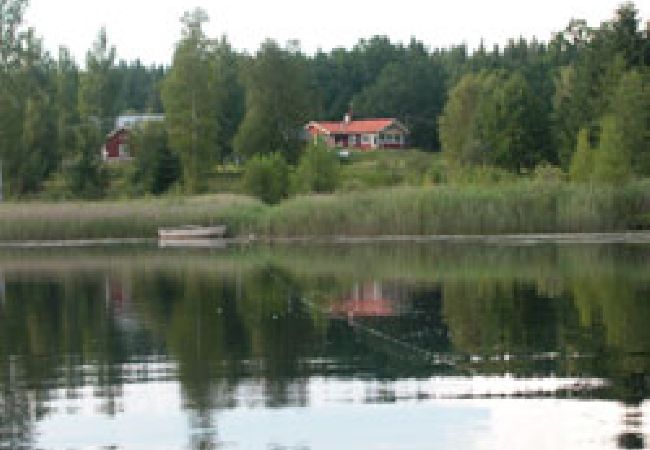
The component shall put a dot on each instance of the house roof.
(356, 126)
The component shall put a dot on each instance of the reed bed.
(122, 219)
(520, 207)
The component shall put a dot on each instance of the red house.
(115, 147)
(363, 134)
(116, 144)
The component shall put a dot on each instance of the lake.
(357, 346)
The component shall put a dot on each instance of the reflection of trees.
(622, 310)
(228, 334)
(50, 330)
(516, 318)
(15, 409)
(246, 333)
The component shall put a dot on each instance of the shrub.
(267, 177)
(318, 171)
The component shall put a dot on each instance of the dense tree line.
(514, 106)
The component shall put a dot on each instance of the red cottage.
(116, 146)
(364, 134)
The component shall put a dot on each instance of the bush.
(267, 177)
(318, 171)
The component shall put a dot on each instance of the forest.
(578, 104)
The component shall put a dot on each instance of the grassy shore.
(518, 207)
(123, 219)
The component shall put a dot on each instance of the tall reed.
(517, 207)
(521, 207)
(123, 219)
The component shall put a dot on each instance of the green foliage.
(156, 167)
(612, 161)
(277, 103)
(267, 177)
(458, 121)
(493, 117)
(95, 93)
(513, 106)
(630, 105)
(85, 173)
(511, 125)
(318, 170)
(582, 162)
(190, 99)
(366, 170)
(412, 90)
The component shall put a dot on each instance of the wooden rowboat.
(192, 232)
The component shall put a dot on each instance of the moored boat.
(192, 232)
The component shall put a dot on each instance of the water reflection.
(193, 339)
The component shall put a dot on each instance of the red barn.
(363, 134)
(116, 146)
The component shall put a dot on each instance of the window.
(365, 139)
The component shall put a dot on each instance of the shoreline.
(625, 237)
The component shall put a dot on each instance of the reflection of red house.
(118, 294)
(116, 146)
(365, 300)
(364, 134)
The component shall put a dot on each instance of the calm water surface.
(392, 346)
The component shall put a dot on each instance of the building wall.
(116, 146)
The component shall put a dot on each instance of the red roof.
(355, 126)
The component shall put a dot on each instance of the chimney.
(348, 116)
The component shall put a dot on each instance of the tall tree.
(27, 124)
(87, 177)
(188, 95)
(229, 94)
(156, 167)
(66, 102)
(510, 126)
(630, 105)
(458, 123)
(277, 102)
(413, 90)
(612, 161)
